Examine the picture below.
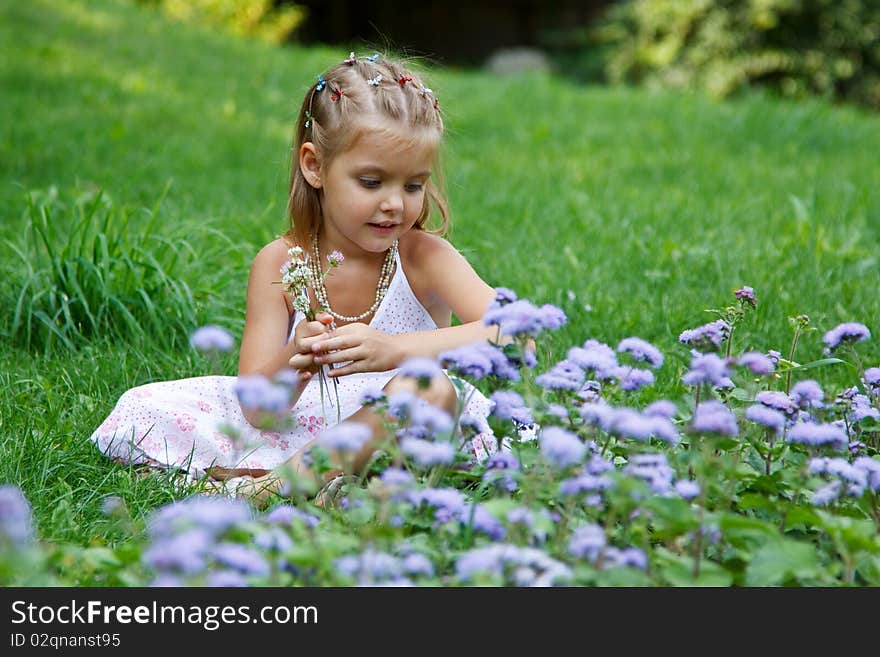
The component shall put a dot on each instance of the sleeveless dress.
(196, 423)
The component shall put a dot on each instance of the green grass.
(647, 208)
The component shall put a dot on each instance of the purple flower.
(632, 557)
(747, 295)
(846, 332)
(16, 525)
(777, 400)
(687, 489)
(184, 553)
(632, 378)
(827, 493)
(256, 392)
(484, 522)
(652, 469)
(211, 338)
(765, 416)
(417, 564)
(707, 337)
(594, 356)
(714, 417)
(641, 350)
(346, 437)
(757, 362)
(662, 408)
(335, 258)
(807, 394)
(872, 379)
(241, 558)
(774, 356)
(809, 433)
(423, 369)
(427, 453)
(565, 375)
(708, 368)
(505, 403)
(587, 542)
(449, 503)
(527, 566)
(561, 448)
(213, 514)
(523, 318)
(371, 396)
(479, 360)
(504, 296)
(285, 514)
(584, 482)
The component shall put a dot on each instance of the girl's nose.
(392, 203)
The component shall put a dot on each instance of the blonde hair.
(335, 114)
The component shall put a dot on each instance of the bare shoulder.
(441, 277)
(420, 251)
(274, 252)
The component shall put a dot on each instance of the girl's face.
(373, 192)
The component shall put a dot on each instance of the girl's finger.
(301, 361)
(306, 345)
(351, 368)
(338, 356)
(333, 343)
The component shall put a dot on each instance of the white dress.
(187, 424)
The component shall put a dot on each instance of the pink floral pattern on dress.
(186, 422)
(312, 423)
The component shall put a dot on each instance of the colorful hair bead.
(403, 80)
(351, 59)
(374, 82)
(320, 84)
(337, 94)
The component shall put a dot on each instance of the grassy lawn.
(632, 211)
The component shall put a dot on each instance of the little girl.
(362, 184)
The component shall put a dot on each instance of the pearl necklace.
(321, 291)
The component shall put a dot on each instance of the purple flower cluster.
(512, 565)
(596, 357)
(479, 360)
(561, 448)
(630, 423)
(500, 469)
(423, 369)
(746, 294)
(641, 350)
(508, 405)
(372, 568)
(258, 393)
(346, 437)
(757, 362)
(848, 332)
(211, 338)
(522, 318)
(633, 378)
(807, 394)
(714, 417)
(565, 375)
(16, 524)
(872, 380)
(707, 337)
(778, 401)
(653, 469)
(852, 478)
(816, 435)
(708, 368)
(766, 416)
(427, 453)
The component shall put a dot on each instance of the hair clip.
(351, 59)
(336, 95)
(374, 82)
(320, 84)
(373, 57)
(309, 119)
(403, 80)
(425, 91)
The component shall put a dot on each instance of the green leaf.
(783, 559)
(678, 570)
(818, 363)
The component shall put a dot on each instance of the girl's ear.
(310, 164)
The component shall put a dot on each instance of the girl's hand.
(368, 349)
(305, 336)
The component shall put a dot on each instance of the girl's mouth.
(383, 227)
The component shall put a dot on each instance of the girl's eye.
(369, 182)
(414, 187)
